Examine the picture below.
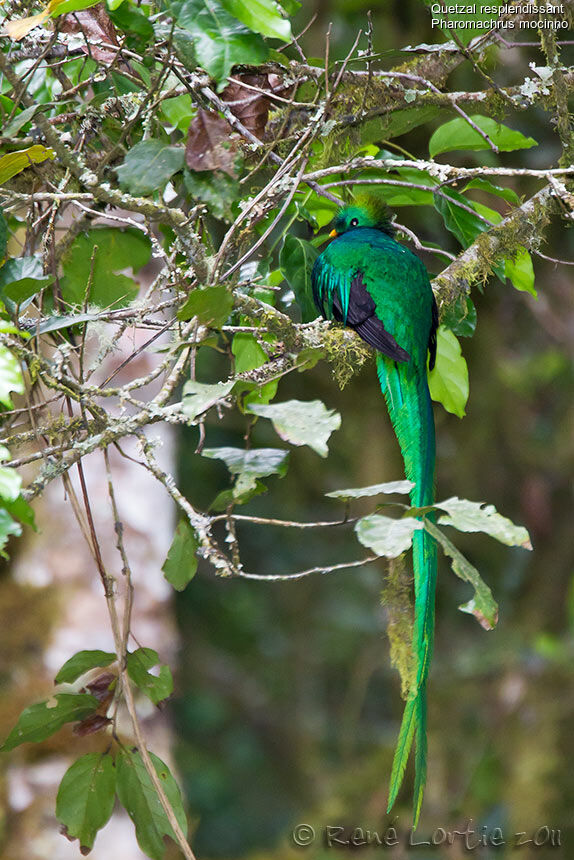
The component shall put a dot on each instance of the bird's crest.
(378, 211)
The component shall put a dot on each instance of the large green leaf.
(211, 306)
(86, 797)
(21, 278)
(403, 487)
(82, 662)
(10, 377)
(255, 462)
(15, 162)
(44, 719)
(156, 687)
(199, 397)
(215, 188)
(386, 536)
(3, 236)
(448, 381)
(301, 422)
(139, 798)
(149, 165)
(180, 566)
(296, 262)
(465, 225)
(261, 16)
(483, 606)
(469, 516)
(249, 355)
(521, 272)
(460, 316)
(221, 41)
(8, 528)
(458, 134)
(111, 250)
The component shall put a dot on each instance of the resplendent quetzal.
(365, 279)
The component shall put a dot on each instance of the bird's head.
(368, 211)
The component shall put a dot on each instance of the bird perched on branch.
(366, 280)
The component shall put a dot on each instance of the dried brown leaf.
(96, 26)
(210, 145)
(92, 724)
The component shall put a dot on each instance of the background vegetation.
(165, 169)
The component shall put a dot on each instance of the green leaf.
(15, 162)
(296, 262)
(181, 563)
(249, 354)
(86, 797)
(21, 510)
(44, 719)
(211, 306)
(261, 16)
(215, 188)
(521, 272)
(482, 184)
(198, 397)
(448, 381)
(3, 236)
(386, 536)
(156, 687)
(133, 22)
(301, 422)
(178, 111)
(8, 528)
(397, 123)
(465, 225)
(20, 279)
(64, 7)
(255, 462)
(149, 165)
(139, 798)
(21, 118)
(10, 377)
(469, 516)
(57, 323)
(458, 134)
(460, 317)
(10, 484)
(221, 42)
(82, 662)
(403, 487)
(483, 606)
(116, 250)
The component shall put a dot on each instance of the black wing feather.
(432, 335)
(362, 317)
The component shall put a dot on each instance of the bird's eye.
(355, 222)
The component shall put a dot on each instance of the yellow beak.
(333, 234)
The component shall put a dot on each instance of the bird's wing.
(361, 315)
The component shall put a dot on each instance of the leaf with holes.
(40, 721)
(301, 422)
(386, 536)
(156, 687)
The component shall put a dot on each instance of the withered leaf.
(102, 687)
(92, 724)
(251, 107)
(97, 27)
(210, 145)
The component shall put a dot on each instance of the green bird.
(366, 280)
